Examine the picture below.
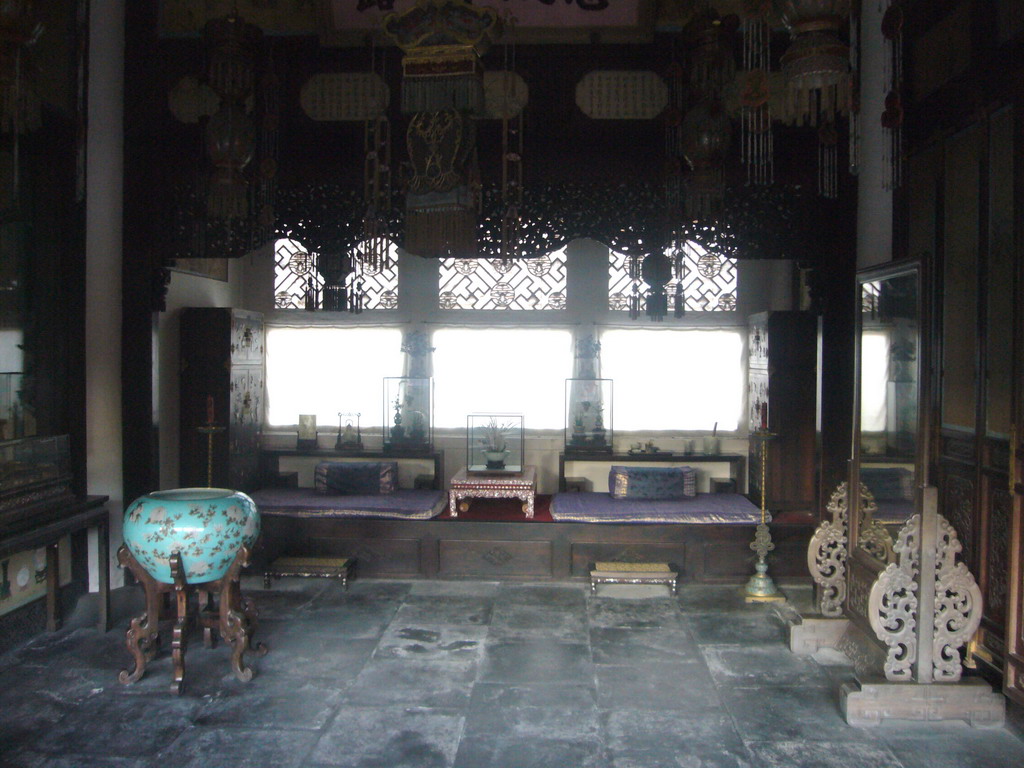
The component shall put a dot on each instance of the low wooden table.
(633, 573)
(521, 485)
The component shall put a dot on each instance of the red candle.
(209, 409)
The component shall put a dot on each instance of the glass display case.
(588, 415)
(12, 415)
(408, 414)
(494, 443)
(350, 434)
(35, 474)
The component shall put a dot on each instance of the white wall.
(874, 204)
(103, 251)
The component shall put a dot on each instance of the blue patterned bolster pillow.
(652, 482)
(356, 478)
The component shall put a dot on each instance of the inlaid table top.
(517, 485)
(525, 479)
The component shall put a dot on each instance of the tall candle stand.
(760, 588)
(209, 430)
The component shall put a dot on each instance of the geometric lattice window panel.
(297, 276)
(495, 284)
(378, 283)
(709, 281)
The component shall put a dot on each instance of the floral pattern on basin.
(206, 526)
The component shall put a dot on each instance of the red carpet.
(503, 511)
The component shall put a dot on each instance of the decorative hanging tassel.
(828, 160)
(853, 121)
(757, 141)
(892, 117)
(679, 309)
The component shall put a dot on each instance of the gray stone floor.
(396, 674)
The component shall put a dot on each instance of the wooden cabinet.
(222, 382)
(781, 387)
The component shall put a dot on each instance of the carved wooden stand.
(922, 608)
(220, 607)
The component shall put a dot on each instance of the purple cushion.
(355, 478)
(652, 482)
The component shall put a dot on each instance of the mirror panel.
(889, 339)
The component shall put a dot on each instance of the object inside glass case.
(494, 443)
(350, 436)
(588, 415)
(408, 414)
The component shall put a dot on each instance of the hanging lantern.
(710, 54)
(817, 70)
(230, 133)
(817, 62)
(230, 144)
(706, 134)
(442, 91)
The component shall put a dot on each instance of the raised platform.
(510, 547)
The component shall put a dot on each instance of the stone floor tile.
(739, 629)
(767, 665)
(579, 723)
(390, 737)
(454, 588)
(495, 751)
(536, 661)
(572, 696)
(617, 645)
(685, 687)
(955, 744)
(789, 713)
(663, 739)
(560, 595)
(404, 682)
(279, 705)
(433, 642)
(441, 609)
(561, 624)
(634, 614)
(112, 725)
(823, 754)
(201, 747)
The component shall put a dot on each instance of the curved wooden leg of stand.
(205, 606)
(179, 635)
(235, 616)
(143, 635)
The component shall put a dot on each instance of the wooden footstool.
(324, 567)
(633, 573)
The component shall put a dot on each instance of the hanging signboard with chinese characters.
(342, 22)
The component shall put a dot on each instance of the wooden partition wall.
(962, 211)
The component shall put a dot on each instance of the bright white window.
(327, 370)
(501, 370)
(874, 376)
(675, 379)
